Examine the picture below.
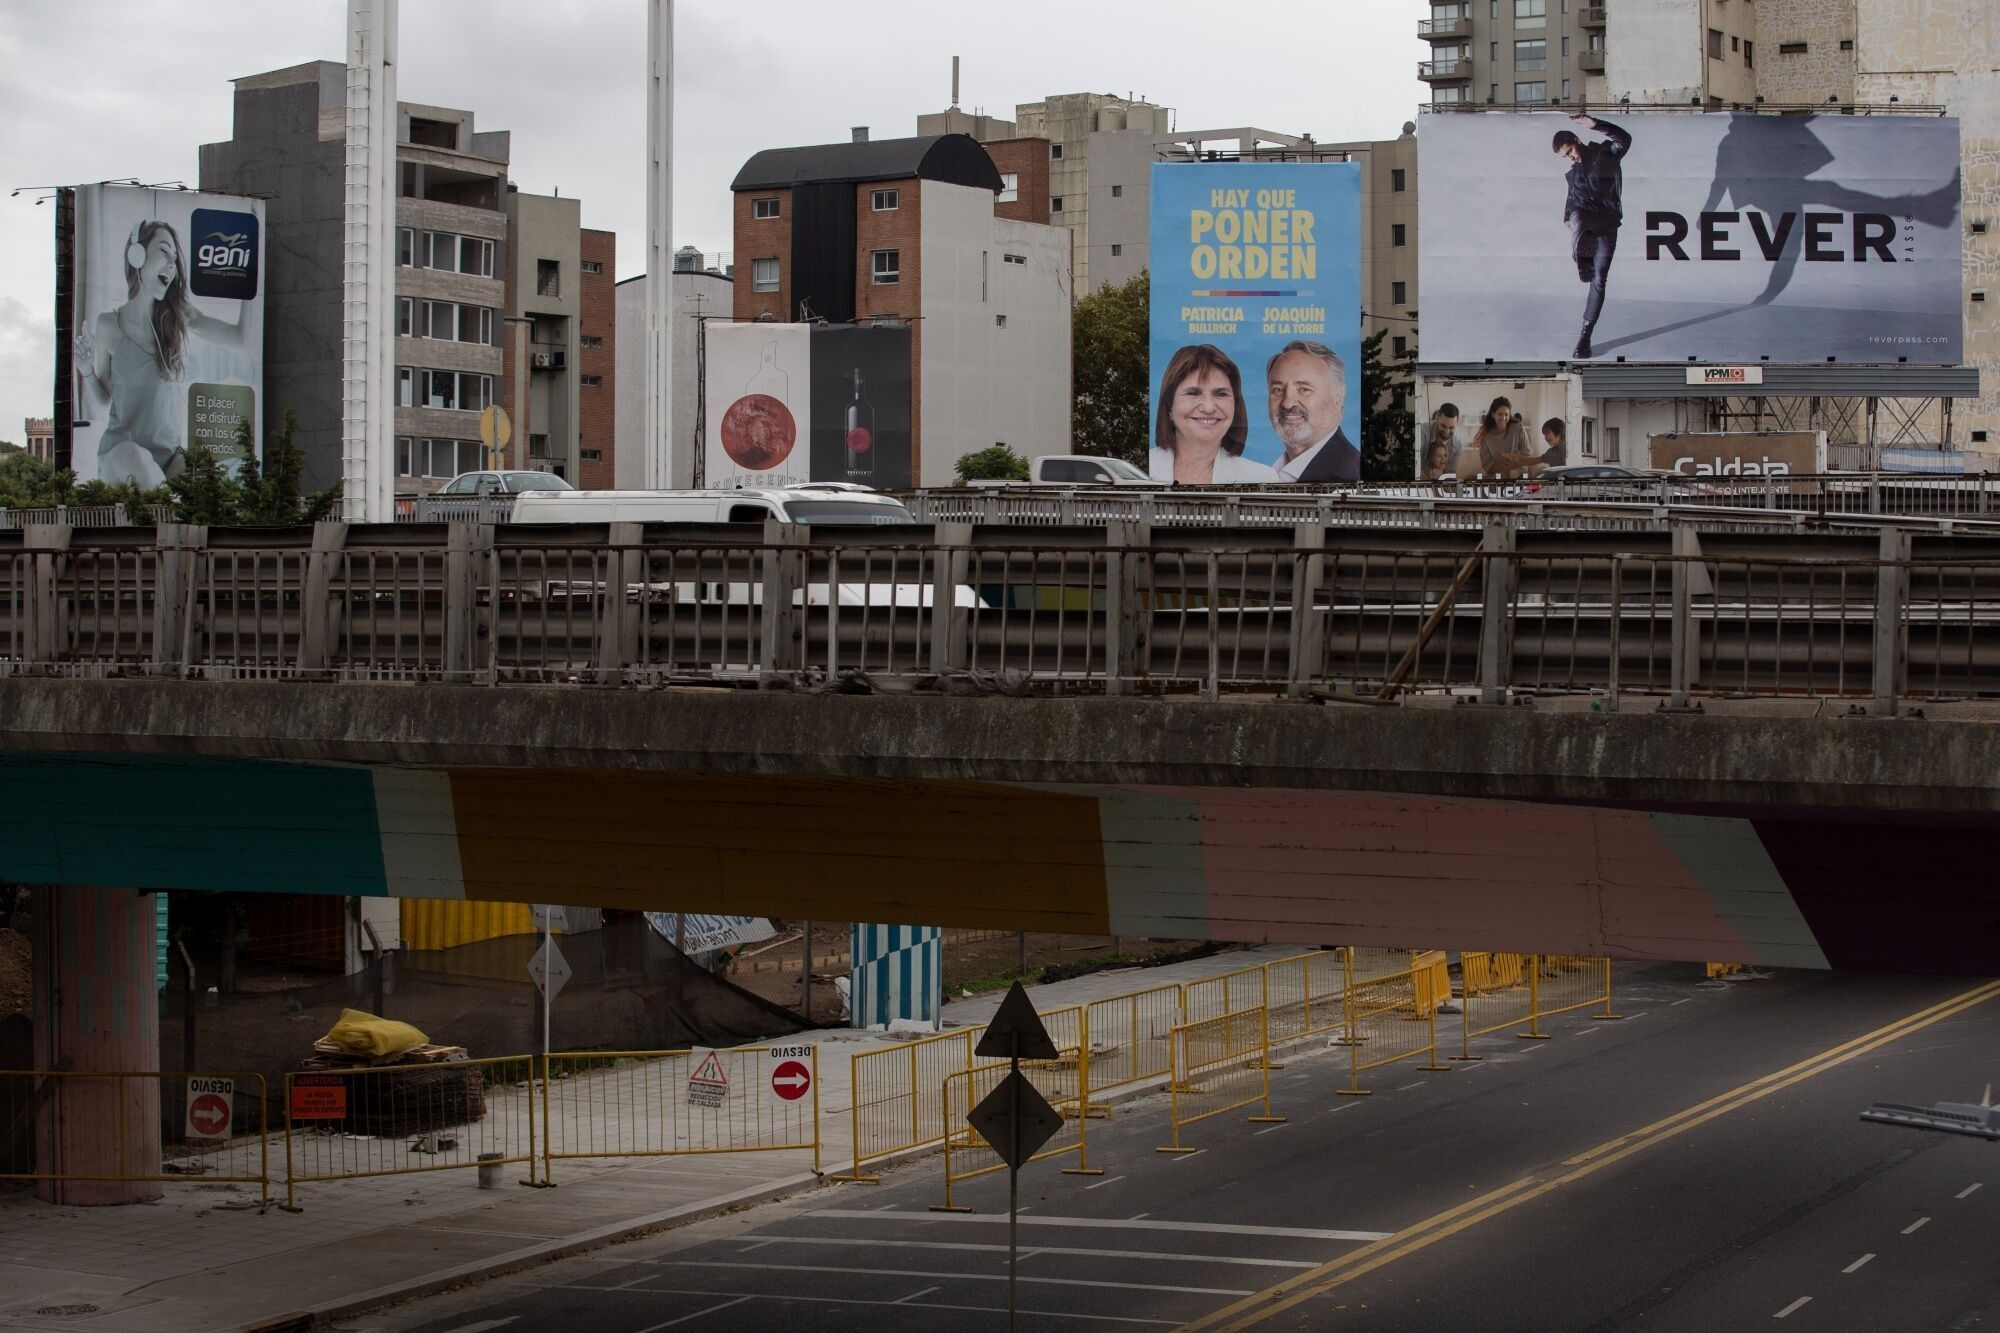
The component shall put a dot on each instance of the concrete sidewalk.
(205, 1257)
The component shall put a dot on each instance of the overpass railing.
(1302, 612)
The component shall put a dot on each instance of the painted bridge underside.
(1791, 841)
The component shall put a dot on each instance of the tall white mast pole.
(368, 270)
(659, 442)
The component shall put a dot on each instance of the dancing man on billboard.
(1594, 210)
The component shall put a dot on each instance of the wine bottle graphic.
(758, 429)
(860, 435)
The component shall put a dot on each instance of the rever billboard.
(1658, 236)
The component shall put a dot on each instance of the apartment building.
(938, 232)
(469, 262)
(1516, 52)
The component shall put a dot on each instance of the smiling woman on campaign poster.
(1256, 322)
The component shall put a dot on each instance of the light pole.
(658, 472)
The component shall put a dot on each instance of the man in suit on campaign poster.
(1308, 393)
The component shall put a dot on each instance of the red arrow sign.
(790, 1080)
(208, 1115)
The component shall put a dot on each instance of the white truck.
(1078, 470)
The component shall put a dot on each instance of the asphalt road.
(1698, 1166)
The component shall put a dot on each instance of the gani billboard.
(1667, 237)
(166, 329)
(1255, 325)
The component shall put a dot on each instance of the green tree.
(26, 482)
(204, 492)
(997, 463)
(1108, 373)
(1388, 422)
(271, 495)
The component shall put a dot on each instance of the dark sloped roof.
(955, 159)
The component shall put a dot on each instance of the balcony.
(1591, 16)
(1444, 71)
(1590, 62)
(1438, 30)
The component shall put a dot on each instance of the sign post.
(1015, 1119)
(550, 970)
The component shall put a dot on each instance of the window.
(1055, 152)
(475, 256)
(883, 201)
(763, 275)
(1847, 43)
(1010, 186)
(1565, 90)
(1055, 204)
(440, 320)
(405, 246)
(889, 321)
(1493, 52)
(999, 321)
(406, 392)
(1117, 192)
(1398, 234)
(1565, 48)
(1117, 250)
(1715, 44)
(1531, 55)
(1440, 96)
(1399, 292)
(548, 277)
(591, 381)
(1400, 343)
(885, 267)
(403, 317)
(592, 266)
(1398, 181)
(1735, 43)
(1750, 55)
(1493, 9)
(1791, 48)
(763, 208)
(1525, 93)
(1530, 13)
(591, 340)
(591, 455)
(450, 389)
(1013, 259)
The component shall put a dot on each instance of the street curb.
(611, 1234)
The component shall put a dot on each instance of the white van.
(812, 505)
(800, 504)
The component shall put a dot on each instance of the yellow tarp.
(364, 1034)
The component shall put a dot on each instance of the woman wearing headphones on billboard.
(130, 355)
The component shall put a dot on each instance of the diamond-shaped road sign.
(549, 969)
(1015, 1119)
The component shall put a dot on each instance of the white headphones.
(135, 253)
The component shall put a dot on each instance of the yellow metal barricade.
(967, 1155)
(1430, 977)
(1561, 983)
(899, 1090)
(673, 1103)
(1716, 970)
(1326, 991)
(344, 1124)
(224, 1136)
(1369, 964)
(1131, 1037)
(1220, 1064)
(1225, 993)
(1495, 995)
(1384, 1026)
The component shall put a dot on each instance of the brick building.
(939, 232)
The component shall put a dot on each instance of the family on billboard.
(1746, 237)
(1497, 446)
(1255, 273)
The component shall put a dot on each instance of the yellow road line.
(1302, 1287)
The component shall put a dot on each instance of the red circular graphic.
(758, 432)
(860, 440)
(209, 1113)
(791, 1080)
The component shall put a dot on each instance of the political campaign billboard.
(165, 329)
(1657, 236)
(1255, 324)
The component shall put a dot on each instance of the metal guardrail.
(1301, 612)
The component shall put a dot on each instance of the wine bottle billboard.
(759, 408)
(861, 405)
(165, 331)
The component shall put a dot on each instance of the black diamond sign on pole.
(1015, 1119)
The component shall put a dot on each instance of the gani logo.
(223, 254)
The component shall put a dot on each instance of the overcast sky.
(115, 88)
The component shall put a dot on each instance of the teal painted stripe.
(172, 822)
(1728, 860)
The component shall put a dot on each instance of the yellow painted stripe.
(1263, 1305)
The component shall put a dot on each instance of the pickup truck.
(1078, 470)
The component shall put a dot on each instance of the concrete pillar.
(96, 1011)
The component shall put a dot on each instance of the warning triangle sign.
(710, 1070)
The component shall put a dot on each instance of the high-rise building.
(1516, 52)
(481, 269)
